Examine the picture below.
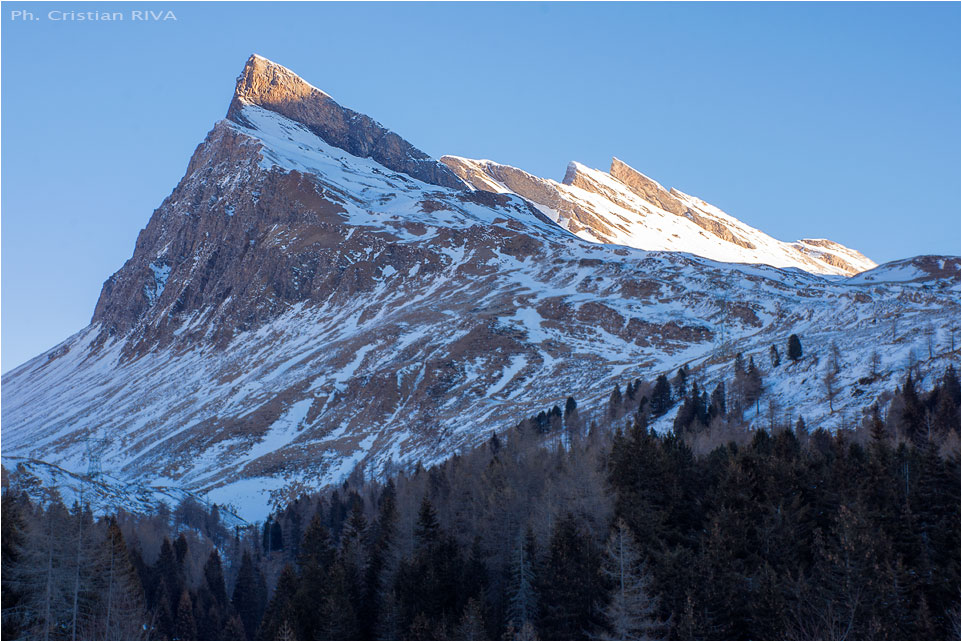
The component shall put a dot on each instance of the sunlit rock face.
(316, 296)
(273, 87)
(623, 206)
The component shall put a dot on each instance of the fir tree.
(212, 599)
(570, 407)
(315, 561)
(382, 564)
(794, 348)
(247, 596)
(681, 382)
(169, 571)
(614, 402)
(471, 626)
(13, 529)
(522, 595)
(661, 396)
(277, 537)
(632, 609)
(121, 603)
(913, 412)
(234, 630)
(266, 535)
(717, 407)
(185, 628)
(570, 587)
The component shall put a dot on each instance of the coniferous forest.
(572, 525)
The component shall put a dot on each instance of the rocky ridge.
(276, 88)
(626, 207)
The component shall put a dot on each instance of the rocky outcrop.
(929, 269)
(646, 188)
(488, 176)
(657, 195)
(717, 228)
(633, 209)
(836, 254)
(278, 89)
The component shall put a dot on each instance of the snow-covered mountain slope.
(626, 207)
(922, 270)
(293, 311)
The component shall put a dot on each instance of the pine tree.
(913, 412)
(121, 605)
(875, 364)
(181, 549)
(347, 576)
(185, 628)
(266, 535)
(277, 537)
(570, 407)
(661, 396)
(754, 377)
(165, 615)
(800, 428)
(427, 584)
(632, 609)
(570, 586)
(280, 611)
(876, 427)
(381, 566)
(471, 626)
(212, 599)
(717, 408)
(315, 561)
(522, 595)
(681, 382)
(42, 574)
(83, 561)
(739, 364)
(847, 575)
(473, 582)
(427, 531)
(775, 357)
(170, 572)
(12, 539)
(945, 413)
(247, 596)
(829, 382)
(234, 629)
(794, 348)
(614, 402)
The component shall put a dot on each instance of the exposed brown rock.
(666, 200)
(278, 89)
(646, 188)
(717, 228)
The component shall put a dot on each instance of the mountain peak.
(264, 82)
(276, 88)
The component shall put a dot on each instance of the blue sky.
(828, 120)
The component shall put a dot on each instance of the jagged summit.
(571, 172)
(625, 207)
(263, 82)
(273, 87)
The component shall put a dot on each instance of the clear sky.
(805, 120)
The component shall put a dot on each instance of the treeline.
(567, 527)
